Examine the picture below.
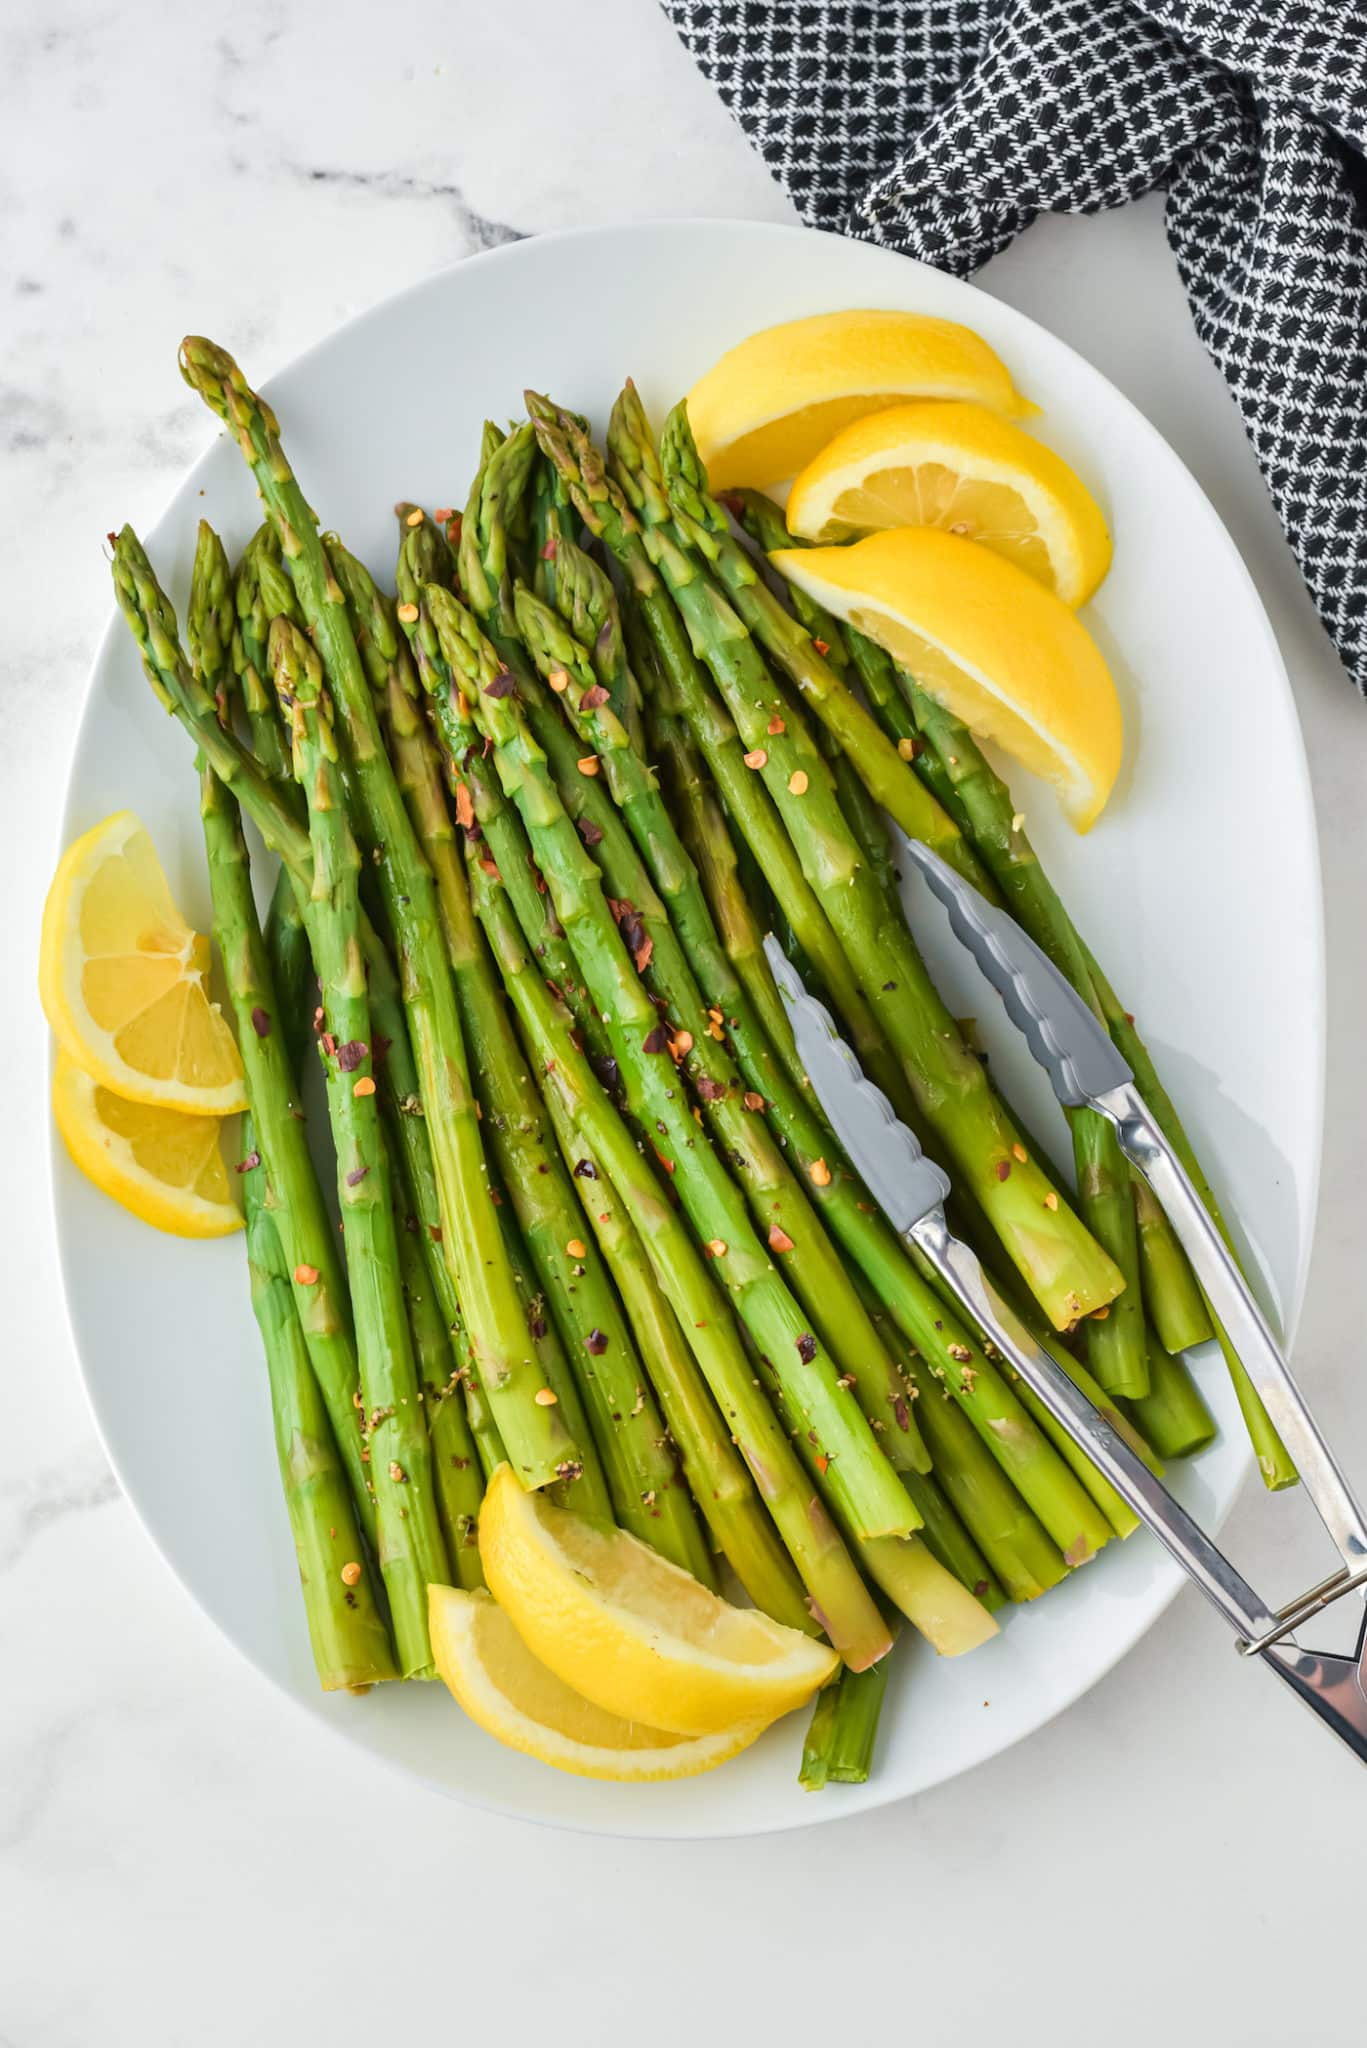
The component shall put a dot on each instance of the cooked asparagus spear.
(647, 1496)
(535, 1435)
(861, 1481)
(412, 1549)
(604, 511)
(844, 1724)
(347, 1631)
(852, 1216)
(834, 1588)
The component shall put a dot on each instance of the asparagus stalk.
(425, 558)
(860, 1480)
(302, 1222)
(686, 957)
(1274, 1460)
(1172, 1415)
(647, 1496)
(535, 1435)
(350, 1642)
(1068, 1272)
(456, 1478)
(716, 1475)
(904, 1568)
(608, 517)
(842, 1731)
(836, 1593)
(1017, 1547)
(884, 771)
(412, 1550)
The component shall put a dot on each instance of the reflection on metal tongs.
(1086, 1069)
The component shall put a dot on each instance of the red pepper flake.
(596, 1343)
(714, 1029)
(680, 1045)
(587, 764)
(351, 1574)
(490, 867)
(443, 514)
(502, 685)
(261, 1022)
(350, 1055)
(710, 1090)
(408, 614)
(495, 1196)
(453, 527)
(356, 1176)
(1003, 1169)
(775, 726)
(823, 647)
(819, 1173)
(544, 1398)
(328, 1043)
(584, 1169)
(667, 1164)
(756, 758)
(901, 1413)
(590, 833)
(779, 1240)
(1051, 1200)
(465, 808)
(797, 783)
(575, 1247)
(434, 1232)
(655, 1040)
(752, 1100)
(908, 749)
(250, 1163)
(806, 1347)
(559, 680)
(1019, 1152)
(415, 517)
(306, 1276)
(716, 1248)
(548, 551)
(822, 1462)
(365, 1086)
(593, 697)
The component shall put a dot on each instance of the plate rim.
(1169, 1579)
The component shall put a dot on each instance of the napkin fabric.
(941, 128)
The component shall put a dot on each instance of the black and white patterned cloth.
(943, 127)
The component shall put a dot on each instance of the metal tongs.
(1086, 1069)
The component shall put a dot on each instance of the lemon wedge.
(767, 406)
(967, 471)
(1005, 655)
(124, 979)
(511, 1695)
(166, 1168)
(630, 1631)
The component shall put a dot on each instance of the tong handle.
(1331, 1686)
(1183, 1538)
(1144, 1143)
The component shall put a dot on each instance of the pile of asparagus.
(533, 815)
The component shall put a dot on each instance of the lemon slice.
(512, 1696)
(963, 469)
(163, 1166)
(124, 979)
(632, 1632)
(1006, 656)
(767, 406)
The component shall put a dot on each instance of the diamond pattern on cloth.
(941, 128)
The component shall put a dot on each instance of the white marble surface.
(180, 1860)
